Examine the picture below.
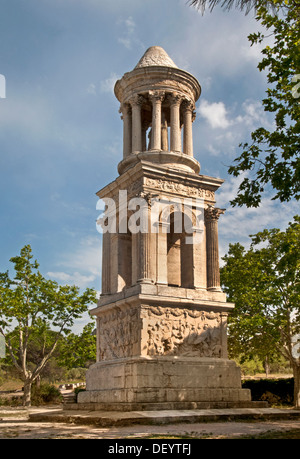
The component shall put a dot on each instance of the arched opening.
(124, 260)
(180, 254)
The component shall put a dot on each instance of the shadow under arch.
(180, 264)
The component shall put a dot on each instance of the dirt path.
(14, 424)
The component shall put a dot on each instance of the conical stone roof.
(155, 56)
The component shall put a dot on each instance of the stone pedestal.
(163, 383)
(157, 351)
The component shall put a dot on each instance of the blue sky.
(61, 133)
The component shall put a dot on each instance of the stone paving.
(15, 424)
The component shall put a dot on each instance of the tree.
(246, 5)
(272, 158)
(79, 350)
(263, 282)
(31, 304)
(271, 161)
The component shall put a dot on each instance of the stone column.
(212, 215)
(136, 105)
(223, 325)
(175, 141)
(127, 129)
(114, 262)
(98, 357)
(106, 287)
(164, 133)
(156, 98)
(162, 254)
(188, 107)
(143, 241)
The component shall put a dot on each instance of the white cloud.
(108, 84)
(126, 42)
(129, 38)
(130, 24)
(239, 222)
(105, 86)
(226, 127)
(215, 113)
(91, 88)
(71, 279)
(82, 266)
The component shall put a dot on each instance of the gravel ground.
(14, 424)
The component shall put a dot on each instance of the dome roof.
(155, 56)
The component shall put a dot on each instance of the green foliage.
(272, 158)
(45, 393)
(35, 313)
(75, 374)
(270, 163)
(263, 282)
(275, 391)
(246, 5)
(77, 390)
(250, 366)
(79, 350)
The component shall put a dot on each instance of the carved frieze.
(177, 187)
(166, 331)
(119, 333)
(183, 332)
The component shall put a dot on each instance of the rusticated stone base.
(166, 383)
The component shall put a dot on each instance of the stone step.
(115, 418)
(69, 398)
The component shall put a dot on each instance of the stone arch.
(180, 259)
(124, 257)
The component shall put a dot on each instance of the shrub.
(77, 390)
(45, 393)
(275, 391)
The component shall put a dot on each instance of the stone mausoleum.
(162, 316)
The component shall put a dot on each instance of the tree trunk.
(38, 382)
(267, 366)
(296, 371)
(27, 393)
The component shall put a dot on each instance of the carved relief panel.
(119, 333)
(183, 332)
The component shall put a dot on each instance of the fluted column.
(212, 215)
(224, 343)
(156, 98)
(136, 103)
(145, 126)
(164, 133)
(127, 129)
(106, 257)
(175, 141)
(162, 254)
(188, 108)
(143, 241)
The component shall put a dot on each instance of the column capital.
(136, 100)
(188, 105)
(175, 99)
(157, 95)
(213, 213)
(125, 108)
